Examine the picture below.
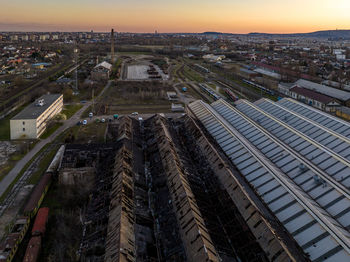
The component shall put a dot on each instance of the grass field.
(43, 165)
(70, 110)
(48, 132)
(93, 132)
(134, 96)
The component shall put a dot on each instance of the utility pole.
(112, 47)
(93, 101)
(76, 68)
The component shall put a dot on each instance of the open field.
(70, 110)
(128, 97)
(50, 130)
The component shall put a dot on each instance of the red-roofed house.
(315, 99)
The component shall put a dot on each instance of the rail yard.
(176, 159)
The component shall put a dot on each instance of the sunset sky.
(231, 16)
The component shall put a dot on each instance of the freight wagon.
(9, 246)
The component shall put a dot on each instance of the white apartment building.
(31, 122)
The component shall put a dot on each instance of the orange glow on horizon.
(230, 16)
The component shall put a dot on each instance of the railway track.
(180, 74)
(238, 90)
(22, 181)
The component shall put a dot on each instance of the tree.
(19, 81)
(67, 94)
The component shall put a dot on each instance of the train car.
(40, 222)
(38, 231)
(209, 92)
(37, 195)
(202, 68)
(9, 245)
(42, 187)
(231, 95)
(56, 161)
(266, 90)
(33, 249)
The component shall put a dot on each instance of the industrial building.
(101, 71)
(297, 161)
(318, 95)
(263, 181)
(31, 122)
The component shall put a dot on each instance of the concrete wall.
(23, 129)
(98, 75)
(53, 110)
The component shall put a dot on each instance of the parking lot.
(137, 72)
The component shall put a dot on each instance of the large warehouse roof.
(297, 167)
(337, 125)
(323, 89)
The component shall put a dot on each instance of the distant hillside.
(345, 34)
(334, 34)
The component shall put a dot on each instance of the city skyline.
(268, 16)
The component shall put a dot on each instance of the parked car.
(84, 122)
(103, 120)
(91, 114)
(134, 113)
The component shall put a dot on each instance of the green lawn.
(43, 165)
(5, 129)
(70, 110)
(48, 132)
(115, 68)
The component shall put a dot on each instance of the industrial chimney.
(112, 47)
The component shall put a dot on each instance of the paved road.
(10, 177)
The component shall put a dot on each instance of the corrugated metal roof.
(268, 73)
(334, 165)
(312, 94)
(283, 179)
(105, 65)
(333, 123)
(323, 89)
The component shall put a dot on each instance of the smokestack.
(112, 46)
